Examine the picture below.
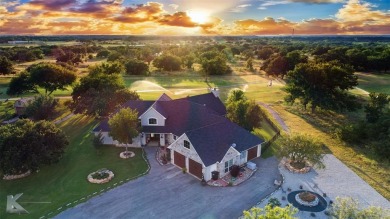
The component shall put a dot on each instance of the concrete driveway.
(168, 193)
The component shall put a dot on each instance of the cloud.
(318, 1)
(240, 8)
(113, 17)
(180, 19)
(53, 4)
(174, 6)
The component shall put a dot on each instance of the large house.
(195, 129)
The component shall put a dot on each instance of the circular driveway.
(168, 193)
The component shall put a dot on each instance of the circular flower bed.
(100, 176)
(291, 168)
(307, 199)
(11, 177)
(126, 154)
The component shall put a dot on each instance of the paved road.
(167, 193)
(276, 116)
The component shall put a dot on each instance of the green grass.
(65, 182)
(374, 82)
(6, 110)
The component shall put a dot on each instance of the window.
(152, 121)
(174, 137)
(228, 165)
(187, 144)
(243, 155)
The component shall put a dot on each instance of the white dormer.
(152, 117)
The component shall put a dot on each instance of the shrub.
(100, 175)
(273, 202)
(235, 171)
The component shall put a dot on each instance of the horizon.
(194, 18)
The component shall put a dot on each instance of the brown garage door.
(252, 153)
(179, 159)
(195, 168)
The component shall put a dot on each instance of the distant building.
(21, 105)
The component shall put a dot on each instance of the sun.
(199, 17)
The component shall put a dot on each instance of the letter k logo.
(13, 206)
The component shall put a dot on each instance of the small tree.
(6, 66)
(374, 110)
(269, 212)
(348, 208)
(301, 148)
(274, 202)
(124, 126)
(42, 107)
(98, 141)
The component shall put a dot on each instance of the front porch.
(156, 139)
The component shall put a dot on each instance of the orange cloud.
(111, 17)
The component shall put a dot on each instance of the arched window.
(152, 121)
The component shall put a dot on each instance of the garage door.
(179, 159)
(195, 168)
(252, 153)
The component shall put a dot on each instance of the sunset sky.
(194, 17)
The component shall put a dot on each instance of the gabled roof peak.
(164, 97)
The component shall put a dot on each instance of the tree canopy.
(242, 111)
(100, 94)
(270, 212)
(44, 75)
(167, 62)
(301, 148)
(136, 67)
(348, 208)
(6, 66)
(322, 85)
(124, 126)
(26, 145)
(42, 108)
(214, 63)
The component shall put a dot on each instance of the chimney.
(215, 91)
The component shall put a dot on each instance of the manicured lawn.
(65, 182)
(6, 110)
(374, 82)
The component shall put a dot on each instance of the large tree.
(124, 126)
(214, 63)
(301, 149)
(167, 62)
(100, 94)
(6, 66)
(136, 67)
(107, 68)
(242, 111)
(322, 85)
(26, 145)
(44, 75)
(269, 212)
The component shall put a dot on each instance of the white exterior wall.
(107, 139)
(231, 154)
(152, 113)
(208, 170)
(178, 146)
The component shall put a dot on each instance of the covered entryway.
(195, 168)
(179, 159)
(252, 153)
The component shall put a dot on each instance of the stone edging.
(12, 177)
(83, 199)
(305, 203)
(123, 156)
(101, 181)
(293, 170)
